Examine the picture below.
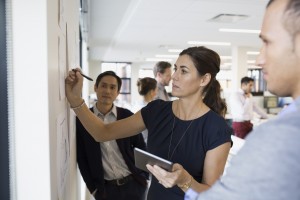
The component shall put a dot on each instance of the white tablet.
(142, 158)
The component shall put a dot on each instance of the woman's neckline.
(198, 116)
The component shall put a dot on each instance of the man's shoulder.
(123, 111)
(290, 119)
(280, 128)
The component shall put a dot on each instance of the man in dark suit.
(108, 167)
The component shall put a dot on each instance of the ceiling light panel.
(209, 43)
(239, 30)
(175, 50)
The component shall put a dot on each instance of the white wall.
(31, 99)
(36, 98)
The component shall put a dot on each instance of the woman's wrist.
(77, 104)
(186, 185)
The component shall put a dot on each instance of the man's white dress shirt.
(242, 107)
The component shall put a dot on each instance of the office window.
(123, 70)
(259, 83)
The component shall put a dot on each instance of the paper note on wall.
(62, 66)
(63, 153)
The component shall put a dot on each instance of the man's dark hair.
(161, 67)
(109, 73)
(246, 80)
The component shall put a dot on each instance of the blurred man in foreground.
(267, 167)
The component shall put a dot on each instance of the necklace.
(170, 156)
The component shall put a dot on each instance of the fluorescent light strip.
(252, 52)
(226, 57)
(209, 43)
(166, 56)
(254, 67)
(239, 30)
(175, 50)
(227, 64)
(158, 59)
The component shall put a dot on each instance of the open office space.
(44, 39)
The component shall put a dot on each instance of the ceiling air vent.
(228, 18)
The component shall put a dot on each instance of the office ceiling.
(134, 30)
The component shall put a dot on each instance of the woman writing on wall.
(191, 131)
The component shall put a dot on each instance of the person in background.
(243, 107)
(108, 168)
(189, 131)
(162, 73)
(267, 166)
(147, 88)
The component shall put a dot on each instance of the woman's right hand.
(178, 176)
(73, 87)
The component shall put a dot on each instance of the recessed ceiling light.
(209, 43)
(228, 18)
(239, 30)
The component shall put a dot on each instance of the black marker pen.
(85, 76)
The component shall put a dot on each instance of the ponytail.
(213, 98)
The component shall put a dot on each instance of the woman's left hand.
(178, 176)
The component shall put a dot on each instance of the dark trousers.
(241, 129)
(132, 190)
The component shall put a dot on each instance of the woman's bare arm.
(214, 164)
(104, 132)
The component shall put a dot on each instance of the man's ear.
(205, 79)
(95, 88)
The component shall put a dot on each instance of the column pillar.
(135, 68)
(239, 65)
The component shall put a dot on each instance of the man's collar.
(240, 90)
(293, 107)
(160, 86)
(113, 110)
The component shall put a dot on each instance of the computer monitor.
(270, 102)
(284, 101)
